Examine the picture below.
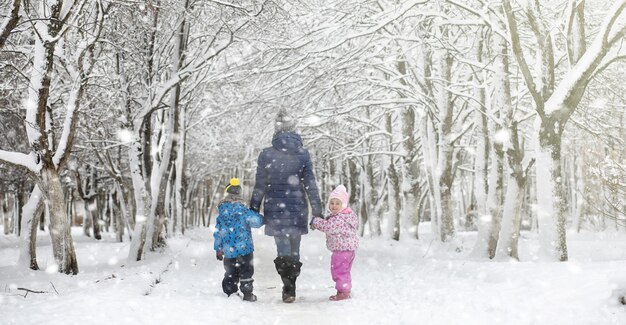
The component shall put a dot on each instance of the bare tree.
(555, 102)
(51, 23)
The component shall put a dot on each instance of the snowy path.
(392, 283)
(198, 277)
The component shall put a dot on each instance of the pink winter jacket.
(340, 229)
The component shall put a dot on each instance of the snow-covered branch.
(580, 74)
(607, 63)
(575, 31)
(519, 55)
(483, 17)
(607, 27)
(20, 160)
(80, 80)
(387, 18)
(67, 18)
(69, 125)
(180, 76)
(10, 22)
(239, 7)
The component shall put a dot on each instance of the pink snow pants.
(340, 266)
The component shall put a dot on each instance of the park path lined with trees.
(128, 117)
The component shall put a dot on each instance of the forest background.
(128, 117)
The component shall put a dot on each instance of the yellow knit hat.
(233, 186)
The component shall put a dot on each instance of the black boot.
(283, 268)
(249, 296)
(295, 272)
(246, 288)
(289, 270)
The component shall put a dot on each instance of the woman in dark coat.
(285, 184)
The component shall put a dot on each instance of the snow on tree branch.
(389, 17)
(20, 159)
(10, 22)
(580, 74)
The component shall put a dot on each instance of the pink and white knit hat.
(340, 193)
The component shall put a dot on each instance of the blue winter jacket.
(285, 183)
(232, 229)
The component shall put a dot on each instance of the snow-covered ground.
(406, 282)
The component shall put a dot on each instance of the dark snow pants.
(239, 269)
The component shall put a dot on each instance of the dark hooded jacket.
(285, 183)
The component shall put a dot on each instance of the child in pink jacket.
(340, 226)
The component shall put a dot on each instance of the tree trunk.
(20, 199)
(446, 149)
(5, 215)
(369, 193)
(170, 205)
(60, 230)
(124, 215)
(578, 190)
(551, 197)
(515, 195)
(481, 166)
(143, 201)
(373, 219)
(511, 220)
(395, 192)
(411, 167)
(180, 130)
(31, 211)
(205, 204)
(396, 197)
(355, 188)
(430, 165)
(87, 218)
(213, 203)
(501, 109)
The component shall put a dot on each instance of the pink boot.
(340, 296)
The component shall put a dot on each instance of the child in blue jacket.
(233, 241)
